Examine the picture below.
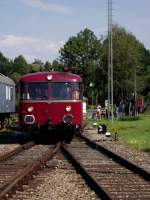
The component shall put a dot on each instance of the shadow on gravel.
(147, 150)
(47, 138)
(17, 137)
(13, 137)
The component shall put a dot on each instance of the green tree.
(57, 66)
(5, 66)
(39, 65)
(82, 54)
(37, 62)
(144, 71)
(20, 65)
(47, 66)
(127, 56)
(15, 76)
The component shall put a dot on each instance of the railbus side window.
(77, 91)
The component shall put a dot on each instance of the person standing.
(99, 110)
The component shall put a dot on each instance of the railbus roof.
(51, 76)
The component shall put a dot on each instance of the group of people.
(122, 109)
(100, 112)
(128, 108)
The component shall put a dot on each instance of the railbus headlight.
(30, 109)
(49, 77)
(68, 108)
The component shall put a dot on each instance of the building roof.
(6, 80)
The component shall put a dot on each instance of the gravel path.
(5, 148)
(56, 183)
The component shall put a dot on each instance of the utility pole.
(110, 62)
(92, 86)
(135, 90)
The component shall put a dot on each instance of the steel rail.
(92, 182)
(27, 173)
(119, 159)
(16, 151)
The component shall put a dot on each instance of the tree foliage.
(87, 55)
(56, 66)
(82, 54)
(47, 66)
(128, 55)
(5, 67)
(20, 65)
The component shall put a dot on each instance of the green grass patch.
(133, 132)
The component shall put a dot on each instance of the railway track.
(108, 174)
(19, 166)
(16, 151)
(57, 180)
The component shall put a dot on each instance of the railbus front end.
(51, 101)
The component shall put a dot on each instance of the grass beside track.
(133, 132)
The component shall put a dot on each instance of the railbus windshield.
(34, 91)
(53, 91)
(66, 91)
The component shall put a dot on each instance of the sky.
(37, 29)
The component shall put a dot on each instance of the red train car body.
(50, 100)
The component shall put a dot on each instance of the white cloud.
(30, 47)
(46, 6)
(30, 58)
(51, 46)
(13, 41)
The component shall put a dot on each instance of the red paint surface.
(42, 111)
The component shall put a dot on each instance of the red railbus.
(49, 101)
